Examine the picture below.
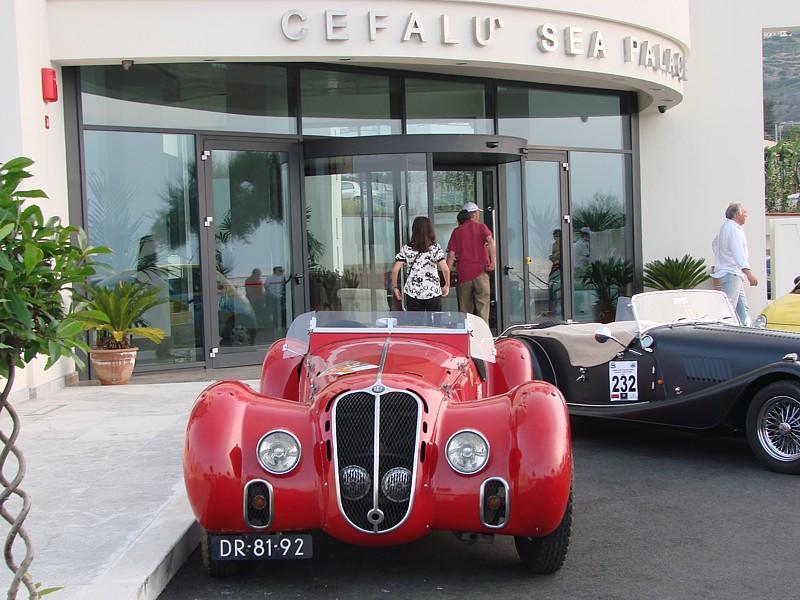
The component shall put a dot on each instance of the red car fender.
(279, 375)
(529, 440)
(228, 417)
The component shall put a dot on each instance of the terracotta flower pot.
(113, 367)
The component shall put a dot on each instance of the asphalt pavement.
(658, 514)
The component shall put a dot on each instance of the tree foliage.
(675, 273)
(782, 175)
(603, 212)
(40, 262)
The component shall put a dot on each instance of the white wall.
(24, 41)
(708, 151)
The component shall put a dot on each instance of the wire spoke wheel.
(778, 424)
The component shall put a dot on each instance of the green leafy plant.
(603, 212)
(47, 591)
(675, 273)
(41, 261)
(608, 278)
(117, 313)
(350, 279)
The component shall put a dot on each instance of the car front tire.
(773, 426)
(545, 555)
(216, 568)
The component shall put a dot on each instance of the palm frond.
(118, 311)
(675, 273)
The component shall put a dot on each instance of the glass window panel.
(447, 107)
(543, 200)
(351, 227)
(600, 266)
(452, 188)
(212, 96)
(345, 104)
(564, 119)
(251, 247)
(514, 268)
(142, 203)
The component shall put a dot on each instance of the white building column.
(25, 50)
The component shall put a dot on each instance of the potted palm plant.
(608, 278)
(115, 313)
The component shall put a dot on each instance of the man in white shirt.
(731, 260)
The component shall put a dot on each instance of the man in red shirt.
(472, 245)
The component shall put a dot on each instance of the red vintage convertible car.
(378, 429)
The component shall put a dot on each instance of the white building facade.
(258, 159)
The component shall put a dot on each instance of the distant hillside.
(781, 80)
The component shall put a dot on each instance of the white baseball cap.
(472, 207)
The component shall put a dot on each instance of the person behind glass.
(731, 260)
(423, 288)
(472, 245)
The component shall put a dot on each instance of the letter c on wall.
(299, 34)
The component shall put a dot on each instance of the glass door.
(545, 203)
(533, 256)
(357, 211)
(252, 286)
(453, 187)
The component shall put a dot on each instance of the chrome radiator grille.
(375, 437)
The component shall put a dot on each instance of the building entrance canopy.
(642, 48)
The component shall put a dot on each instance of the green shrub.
(675, 273)
(117, 312)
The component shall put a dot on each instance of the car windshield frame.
(671, 307)
(420, 323)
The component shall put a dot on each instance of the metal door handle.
(403, 218)
(506, 269)
(298, 278)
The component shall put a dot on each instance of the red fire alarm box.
(49, 85)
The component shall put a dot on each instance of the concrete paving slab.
(109, 515)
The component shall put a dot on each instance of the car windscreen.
(418, 322)
(675, 306)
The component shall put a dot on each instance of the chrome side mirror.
(602, 334)
(646, 342)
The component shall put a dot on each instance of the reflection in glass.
(563, 119)
(352, 231)
(600, 266)
(434, 106)
(252, 253)
(142, 203)
(543, 199)
(346, 104)
(452, 189)
(243, 97)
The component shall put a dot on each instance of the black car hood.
(710, 353)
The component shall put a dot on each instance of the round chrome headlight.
(278, 452)
(355, 482)
(396, 484)
(760, 322)
(467, 452)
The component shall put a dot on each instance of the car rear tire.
(773, 426)
(216, 568)
(545, 555)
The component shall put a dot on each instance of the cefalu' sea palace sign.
(571, 40)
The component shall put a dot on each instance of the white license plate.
(261, 547)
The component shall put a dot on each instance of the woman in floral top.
(424, 258)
